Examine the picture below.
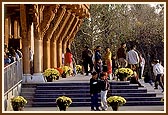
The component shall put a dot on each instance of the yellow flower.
(78, 68)
(120, 100)
(51, 72)
(64, 100)
(18, 101)
(66, 69)
(127, 72)
(162, 99)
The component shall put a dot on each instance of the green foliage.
(111, 24)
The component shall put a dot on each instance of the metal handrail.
(13, 74)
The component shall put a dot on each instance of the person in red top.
(68, 58)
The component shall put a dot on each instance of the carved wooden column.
(59, 39)
(74, 33)
(6, 30)
(15, 28)
(25, 39)
(53, 59)
(47, 38)
(46, 54)
(73, 26)
(65, 31)
(43, 16)
(56, 22)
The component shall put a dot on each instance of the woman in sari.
(108, 62)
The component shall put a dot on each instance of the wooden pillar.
(74, 33)
(59, 39)
(53, 57)
(26, 56)
(65, 31)
(25, 39)
(15, 29)
(38, 55)
(6, 31)
(59, 53)
(46, 55)
(71, 30)
(48, 37)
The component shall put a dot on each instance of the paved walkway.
(78, 109)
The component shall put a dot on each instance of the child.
(94, 90)
(104, 86)
(158, 71)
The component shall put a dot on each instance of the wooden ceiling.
(82, 10)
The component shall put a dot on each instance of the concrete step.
(88, 95)
(88, 91)
(88, 99)
(63, 87)
(84, 104)
(28, 89)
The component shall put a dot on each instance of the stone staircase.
(45, 94)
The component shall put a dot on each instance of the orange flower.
(60, 70)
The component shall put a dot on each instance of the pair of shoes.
(87, 74)
(93, 110)
(98, 109)
(104, 109)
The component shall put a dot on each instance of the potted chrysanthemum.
(66, 71)
(78, 68)
(123, 73)
(51, 74)
(18, 103)
(63, 102)
(115, 102)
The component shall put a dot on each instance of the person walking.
(104, 86)
(133, 59)
(121, 55)
(68, 59)
(94, 90)
(87, 60)
(158, 71)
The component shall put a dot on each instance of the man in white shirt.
(158, 71)
(132, 58)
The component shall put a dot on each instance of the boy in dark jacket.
(94, 90)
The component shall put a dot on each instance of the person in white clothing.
(142, 65)
(158, 71)
(132, 58)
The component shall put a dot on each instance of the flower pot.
(62, 107)
(64, 75)
(16, 108)
(122, 78)
(114, 106)
(57, 78)
(49, 79)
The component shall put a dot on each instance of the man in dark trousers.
(87, 59)
(94, 90)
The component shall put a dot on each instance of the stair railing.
(13, 74)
